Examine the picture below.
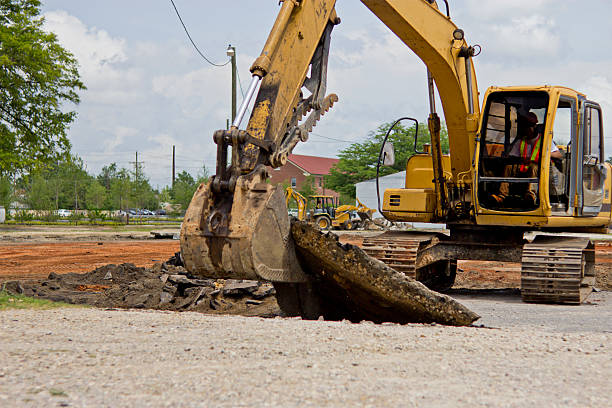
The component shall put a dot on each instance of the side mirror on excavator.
(388, 154)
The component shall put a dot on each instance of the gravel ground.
(527, 356)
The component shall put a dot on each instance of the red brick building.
(299, 167)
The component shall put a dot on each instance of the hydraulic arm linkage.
(237, 225)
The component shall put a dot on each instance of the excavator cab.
(561, 173)
(511, 150)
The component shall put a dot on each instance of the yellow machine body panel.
(416, 202)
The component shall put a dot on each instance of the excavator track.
(397, 250)
(557, 270)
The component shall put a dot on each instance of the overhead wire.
(192, 42)
(240, 82)
(329, 138)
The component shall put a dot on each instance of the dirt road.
(93, 357)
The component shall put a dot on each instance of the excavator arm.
(236, 225)
(300, 200)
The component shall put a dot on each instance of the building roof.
(313, 164)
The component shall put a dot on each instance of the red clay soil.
(38, 260)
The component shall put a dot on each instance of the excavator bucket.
(364, 212)
(365, 215)
(243, 235)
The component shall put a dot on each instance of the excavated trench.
(163, 286)
(355, 287)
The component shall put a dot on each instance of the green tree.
(358, 162)
(37, 79)
(39, 195)
(121, 188)
(107, 175)
(6, 192)
(127, 188)
(165, 195)
(185, 186)
(142, 193)
(58, 185)
(95, 196)
(307, 189)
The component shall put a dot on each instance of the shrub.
(49, 216)
(94, 215)
(76, 217)
(23, 216)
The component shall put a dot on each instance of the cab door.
(591, 189)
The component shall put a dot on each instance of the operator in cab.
(527, 146)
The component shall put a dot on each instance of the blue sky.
(148, 89)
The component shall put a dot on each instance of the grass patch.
(56, 392)
(10, 301)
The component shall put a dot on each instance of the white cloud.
(95, 49)
(525, 38)
(101, 59)
(487, 10)
(119, 136)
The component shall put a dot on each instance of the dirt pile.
(162, 286)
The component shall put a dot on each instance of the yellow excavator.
(328, 213)
(237, 225)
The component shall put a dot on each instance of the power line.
(192, 42)
(329, 138)
(240, 83)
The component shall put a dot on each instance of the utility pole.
(136, 166)
(173, 168)
(231, 52)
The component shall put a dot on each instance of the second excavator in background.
(328, 213)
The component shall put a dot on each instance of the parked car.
(63, 212)
(160, 212)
